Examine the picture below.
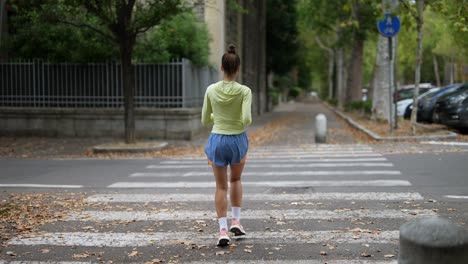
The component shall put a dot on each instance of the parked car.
(404, 104)
(409, 108)
(427, 103)
(407, 91)
(451, 109)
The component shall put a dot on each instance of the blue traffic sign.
(390, 26)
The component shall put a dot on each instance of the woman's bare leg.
(235, 183)
(220, 174)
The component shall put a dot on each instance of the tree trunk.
(354, 86)
(419, 57)
(331, 65)
(380, 82)
(128, 80)
(339, 77)
(436, 70)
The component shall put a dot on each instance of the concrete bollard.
(433, 241)
(320, 128)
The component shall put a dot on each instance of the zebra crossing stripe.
(198, 197)
(296, 261)
(41, 186)
(88, 239)
(299, 156)
(286, 214)
(257, 261)
(211, 184)
(312, 165)
(310, 152)
(265, 173)
(286, 161)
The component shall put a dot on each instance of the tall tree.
(120, 22)
(363, 22)
(418, 16)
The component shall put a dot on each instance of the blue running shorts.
(222, 150)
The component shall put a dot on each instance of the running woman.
(227, 105)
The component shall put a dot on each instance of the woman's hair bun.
(231, 49)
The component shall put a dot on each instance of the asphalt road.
(308, 204)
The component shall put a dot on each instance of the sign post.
(388, 28)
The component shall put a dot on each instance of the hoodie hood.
(227, 91)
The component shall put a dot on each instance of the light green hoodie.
(227, 105)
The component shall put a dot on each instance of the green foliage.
(180, 37)
(332, 101)
(44, 30)
(364, 107)
(274, 95)
(294, 92)
(281, 36)
(35, 37)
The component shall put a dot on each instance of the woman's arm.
(246, 108)
(206, 115)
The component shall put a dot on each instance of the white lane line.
(445, 143)
(257, 261)
(263, 184)
(40, 186)
(174, 238)
(312, 165)
(299, 153)
(456, 197)
(287, 214)
(198, 197)
(296, 261)
(286, 161)
(317, 146)
(299, 156)
(45, 262)
(266, 173)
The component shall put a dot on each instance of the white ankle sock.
(222, 223)
(236, 213)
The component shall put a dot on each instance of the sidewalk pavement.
(289, 124)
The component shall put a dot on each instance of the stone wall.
(183, 123)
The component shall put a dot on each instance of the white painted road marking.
(299, 156)
(445, 143)
(198, 197)
(296, 261)
(87, 239)
(265, 173)
(299, 153)
(249, 165)
(456, 197)
(211, 184)
(257, 261)
(287, 161)
(286, 214)
(40, 186)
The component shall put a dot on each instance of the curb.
(130, 148)
(374, 136)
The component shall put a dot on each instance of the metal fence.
(176, 84)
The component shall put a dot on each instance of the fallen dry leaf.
(323, 253)
(154, 261)
(81, 255)
(45, 250)
(389, 256)
(366, 255)
(134, 253)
